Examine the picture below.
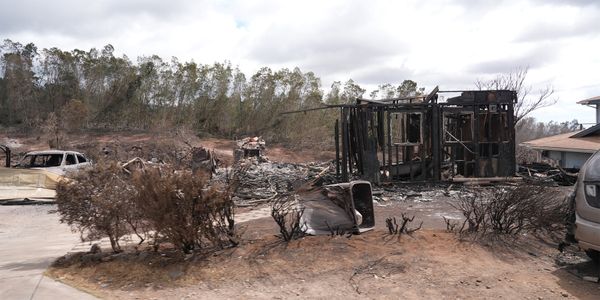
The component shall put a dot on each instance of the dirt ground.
(430, 264)
(125, 146)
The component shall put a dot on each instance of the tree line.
(97, 89)
(54, 89)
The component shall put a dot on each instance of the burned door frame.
(7, 154)
(365, 142)
(492, 151)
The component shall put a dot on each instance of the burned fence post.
(337, 147)
(476, 139)
(6, 151)
(511, 134)
(343, 112)
(435, 142)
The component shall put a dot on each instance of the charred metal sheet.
(344, 206)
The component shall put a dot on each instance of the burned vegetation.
(509, 211)
(157, 203)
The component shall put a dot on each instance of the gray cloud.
(536, 58)
(337, 44)
(279, 46)
(82, 18)
(383, 74)
(570, 2)
(445, 79)
(556, 29)
(489, 4)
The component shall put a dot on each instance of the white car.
(55, 161)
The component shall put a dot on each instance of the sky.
(450, 43)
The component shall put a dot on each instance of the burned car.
(38, 172)
(54, 161)
(586, 197)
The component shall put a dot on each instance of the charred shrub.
(396, 228)
(97, 203)
(512, 210)
(176, 206)
(473, 207)
(184, 210)
(287, 213)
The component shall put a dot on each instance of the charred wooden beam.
(337, 147)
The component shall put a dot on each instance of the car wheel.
(594, 255)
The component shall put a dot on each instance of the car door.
(70, 162)
(82, 161)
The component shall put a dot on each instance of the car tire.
(594, 255)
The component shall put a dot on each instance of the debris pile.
(249, 147)
(260, 182)
(418, 193)
(204, 159)
(546, 174)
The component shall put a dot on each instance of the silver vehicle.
(587, 207)
(54, 161)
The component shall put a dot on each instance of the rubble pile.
(417, 193)
(269, 179)
(260, 180)
(546, 174)
(249, 147)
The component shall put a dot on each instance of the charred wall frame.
(471, 135)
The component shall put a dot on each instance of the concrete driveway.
(30, 239)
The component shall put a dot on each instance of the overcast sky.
(448, 43)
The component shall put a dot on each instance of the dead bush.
(171, 205)
(287, 213)
(184, 210)
(97, 203)
(473, 208)
(338, 231)
(397, 229)
(451, 225)
(511, 210)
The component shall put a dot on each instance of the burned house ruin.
(422, 139)
(249, 147)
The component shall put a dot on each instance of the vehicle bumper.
(587, 233)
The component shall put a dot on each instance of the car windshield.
(41, 160)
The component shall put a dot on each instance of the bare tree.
(526, 100)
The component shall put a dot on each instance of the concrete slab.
(20, 287)
(49, 289)
(32, 238)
